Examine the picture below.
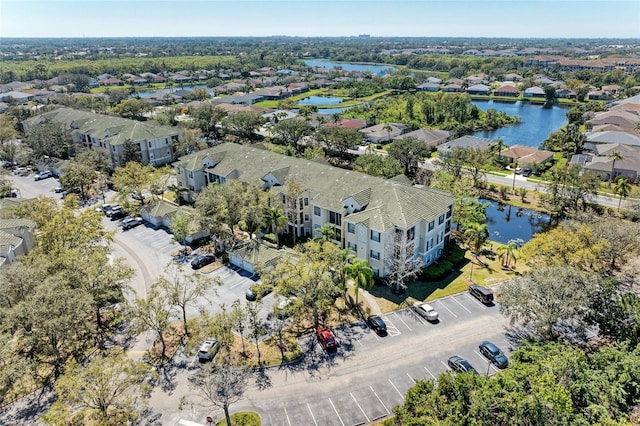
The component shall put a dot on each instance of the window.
(411, 234)
(352, 246)
(316, 211)
(376, 272)
(335, 218)
(306, 217)
(191, 188)
(441, 220)
(191, 175)
(375, 236)
(284, 198)
(351, 228)
(374, 255)
(306, 201)
(450, 211)
(149, 144)
(447, 228)
(432, 225)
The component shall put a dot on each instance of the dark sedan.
(202, 261)
(460, 365)
(377, 324)
(493, 354)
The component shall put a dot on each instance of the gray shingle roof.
(390, 201)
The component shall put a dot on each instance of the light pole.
(515, 164)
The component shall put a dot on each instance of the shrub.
(437, 270)
(456, 256)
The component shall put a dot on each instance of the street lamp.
(515, 164)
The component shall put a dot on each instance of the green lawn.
(489, 273)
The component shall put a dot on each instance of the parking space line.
(358, 404)
(445, 306)
(411, 378)
(446, 365)
(490, 367)
(392, 330)
(463, 307)
(476, 301)
(312, 416)
(383, 406)
(334, 409)
(287, 415)
(399, 393)
(401, 320)
(430, 373)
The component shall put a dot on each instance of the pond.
(320, 100)
(537, 122)
(347, 66)
(507, 223)
(170, 90)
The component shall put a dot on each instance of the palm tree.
(177, 190)
(622, 188)
(508, 253)
(275, 219)
(361, 274)
(325, 233)
(615, 155)
(387, 127)
(477, 235)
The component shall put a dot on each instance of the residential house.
(526, 156)
(384, 132)
(534, 92)
(434, 80)
(628, 166)
(453, 88)
(93, 130)
(614, 137)
(512, 77)
(507, 90)
(428, 87)
(565, 93)
(431, 137)
(15, 96)
(111, 81)
(479, 89)
(348, 123)
(466, 141)
(621, 118)
(599, 95)
(378, 220)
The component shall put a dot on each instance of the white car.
(426, 311)
(42, 175)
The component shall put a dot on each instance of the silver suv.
(208, 350)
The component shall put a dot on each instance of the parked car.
(250, 295)
(526, 172)
(42, 175)
(107, 209)
(326, 339)
(483, 294)
(426, 311)
(208, 350)
(460, 365)
(131, 222)
(103, 208)
(58, 189)
(493, 354)
(202, 260)
(377, 324)
(117, 213)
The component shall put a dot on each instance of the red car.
(326, 339)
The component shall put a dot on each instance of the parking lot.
(388, 366)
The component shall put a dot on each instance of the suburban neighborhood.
(286, 233)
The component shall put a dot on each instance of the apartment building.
(89, 129)
(379, 220)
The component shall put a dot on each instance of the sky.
(317, 18)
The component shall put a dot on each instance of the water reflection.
(506, 222)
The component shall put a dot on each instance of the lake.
(346, 66)
(170, 90)
(538, 122)
(507, 223)
(320, 100)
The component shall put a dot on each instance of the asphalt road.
(366, 377)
